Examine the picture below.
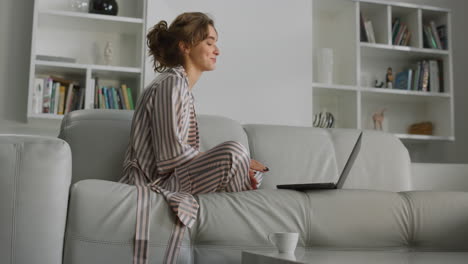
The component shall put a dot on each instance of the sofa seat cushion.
(101, 225)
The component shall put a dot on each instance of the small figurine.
(108, 53)
(389, 78)
(378, 118)
(377, 84)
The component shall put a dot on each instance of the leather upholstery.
(35, 175)
(374, 212)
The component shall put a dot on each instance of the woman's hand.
(255, 166)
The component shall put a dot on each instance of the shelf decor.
(104, 7)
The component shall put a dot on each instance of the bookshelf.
(60, 31)
(359, 61)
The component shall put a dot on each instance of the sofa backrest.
(306, 154)
(99, 139)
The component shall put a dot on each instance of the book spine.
(115, 99)
(435, 34)
(38, 94)
(434, 76)
(130, 98)
(61, 105)
(69, 100)
(410, 79)
(110, 98)
(89, 94)
(363, 30)
(96, 94)
(395, 28)
(425, 76)
(57, 98)
(120, 98)
(106, 95)
(103, 100)
(124, 91)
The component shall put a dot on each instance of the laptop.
(328, 185)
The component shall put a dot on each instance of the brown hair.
(163, 42)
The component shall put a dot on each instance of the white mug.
(285, 242)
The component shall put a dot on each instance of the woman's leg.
(222, 168)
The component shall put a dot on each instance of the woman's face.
(203, 55)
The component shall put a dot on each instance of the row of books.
(435, 37)
(401, 34)
(367, 30)
(55, 95)
(113, 98)
(425, 76)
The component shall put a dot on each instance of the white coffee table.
(353, 257)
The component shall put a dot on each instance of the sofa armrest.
(35, 178)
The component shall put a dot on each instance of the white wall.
(263, 72)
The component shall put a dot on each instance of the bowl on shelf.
(104, 7)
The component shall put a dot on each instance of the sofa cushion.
(102, 217)
(101, 225)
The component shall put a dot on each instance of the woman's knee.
(235, 148)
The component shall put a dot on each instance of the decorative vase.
(104, 7)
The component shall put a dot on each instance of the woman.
(163, 154)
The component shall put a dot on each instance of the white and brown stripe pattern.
(163, 156)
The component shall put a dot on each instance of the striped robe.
(163, 156)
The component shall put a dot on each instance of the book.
(400, 34)
(115, 100)
(106, 97)
(417, 74)
(57, 97)
(430, 41)
(69, 98)
(53, 98)
(442, 31)
(130, 99)
(96, 93)
(403, 80)
(124, 92)
(407, 40)
(434, 82)
(435, 34)
(37, 95)
(47, 95)
(120, 98)
(89, 94)
(80, 101)
(102, 98)
(440, 64)
(110, 98)
(370, 31)
(61, 101)
(395, 29)
(363, 30)
(425, 76)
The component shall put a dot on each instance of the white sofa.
(375, 210)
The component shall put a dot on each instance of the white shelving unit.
(336, 25)
(62, 32)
